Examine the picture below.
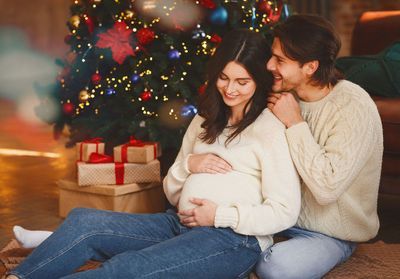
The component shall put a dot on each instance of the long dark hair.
(305, 38)
(251, 50)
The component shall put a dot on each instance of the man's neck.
(310, 93)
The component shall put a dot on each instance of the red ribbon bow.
(93, 140)
(96, 158)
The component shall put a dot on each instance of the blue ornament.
(135, 78)
(110, 91)
(173, 54)
(219, 16)
(198, 34)
(188, 111)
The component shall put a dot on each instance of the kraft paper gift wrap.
(131, 198)
(85, 148)
(118, 173)
(136, 151)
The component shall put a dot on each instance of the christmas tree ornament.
(118, 39)
(110, 91)
(219, 16)
(89, 23)
(75, 21)
(188, 111)
(68, 108)
(129, 14)
(264, 7)
(145, 36)
(198, 34)
(68, 39)
(145, 95)
(215, 38)
(83, 96)
(135, 78)
(202, 89)
(173, 54)
(209, 4)
(96, 78)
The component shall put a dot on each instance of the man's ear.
(311, 67)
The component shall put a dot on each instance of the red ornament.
(145, 95)
(68, 108)
(209, 4)
(215, 39)
(202, 89)
(96, 78)
(145, 36)
(118, 39)
(264, 7)
(67, 39)
(89, 24)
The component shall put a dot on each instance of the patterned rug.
(377, 260)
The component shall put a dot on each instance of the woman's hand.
(202, 215)
(208, 163)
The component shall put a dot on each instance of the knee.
(271, 267)
(83, 216)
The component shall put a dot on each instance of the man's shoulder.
(348, 95)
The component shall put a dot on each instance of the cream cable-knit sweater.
(260, 196)
(338, 154)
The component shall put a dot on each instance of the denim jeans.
(305, 254)
(140, 246)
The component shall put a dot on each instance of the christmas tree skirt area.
(371, 260)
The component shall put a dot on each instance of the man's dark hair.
(305, 38)
(251, 50)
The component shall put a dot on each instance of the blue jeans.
(139, 246)
(305, 254)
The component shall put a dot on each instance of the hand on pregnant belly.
(202, 215)
(208, 163)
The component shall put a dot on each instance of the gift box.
(85, 148)
(131, 198)
(136, 151)
(117, 173)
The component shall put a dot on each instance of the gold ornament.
(129, 14)
(83, 95)
(75, 21)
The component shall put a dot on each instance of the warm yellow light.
(19, 152)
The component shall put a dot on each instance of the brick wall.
(43, 22)
(344, 14)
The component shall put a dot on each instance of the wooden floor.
(29, 196)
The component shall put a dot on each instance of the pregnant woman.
(233, 182)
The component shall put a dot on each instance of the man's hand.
(202, 215)
(208, 163)
(286, 108)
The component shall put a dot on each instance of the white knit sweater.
(260, 197)
(338, 154)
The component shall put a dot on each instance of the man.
(335, 138)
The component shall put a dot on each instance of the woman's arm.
(179, 171)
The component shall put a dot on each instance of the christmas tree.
(136, 67)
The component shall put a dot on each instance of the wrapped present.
(131, 198)
(137, 151)
(101, 172)
(87, 147)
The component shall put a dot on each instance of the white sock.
(30, 239)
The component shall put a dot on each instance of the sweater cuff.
(226, 217)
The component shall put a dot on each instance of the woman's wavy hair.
(251, 50)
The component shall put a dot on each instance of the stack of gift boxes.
(128, 182)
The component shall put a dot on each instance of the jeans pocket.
(252, 243)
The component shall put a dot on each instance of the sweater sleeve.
(328, 168)
(280, 188)
(178, 172)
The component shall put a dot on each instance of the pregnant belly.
(223, 189)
